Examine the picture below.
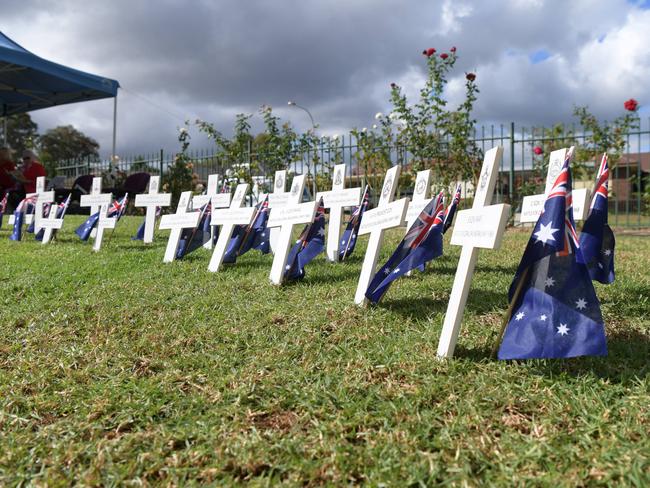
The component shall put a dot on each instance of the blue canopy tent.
(29, 83)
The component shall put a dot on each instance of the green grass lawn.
(118, 369)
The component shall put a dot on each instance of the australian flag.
(451, 210)
(3, 207)
(556, 313)
(422, 243)
(139, 235)
(597, 239)
(349, 239)
(192, 239)
(115, 210)
(253, 236)
(25, 206)
(61, 209)
(309, 245)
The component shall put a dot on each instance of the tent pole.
(113, 156)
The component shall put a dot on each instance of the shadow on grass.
(480, 301)
(625, 364)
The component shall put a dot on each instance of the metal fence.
(629, 180)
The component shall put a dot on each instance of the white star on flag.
(581, 304)
(386, 271)
(343, 242)
(563, 329)
(550, 281)
(545, 233)
(543, 317)
(321, 232)
(396, 270)
(607, 252)
(520, 316)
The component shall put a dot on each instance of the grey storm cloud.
(211, 60)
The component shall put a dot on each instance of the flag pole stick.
(249, 228)
(347, 244)
(196, 229)
(508, 312)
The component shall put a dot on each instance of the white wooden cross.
(42, 198)
(482, 226)
(533, 205)
(29, 218)
(182, 219)
(285, 217)
(151, 201)
(336, 200)
(95, 189)
(421, 197)
(388, 214)
(51, 223)
(215, 199)
(103, 223)
(228, 218)
(101, 201)
(279, 185)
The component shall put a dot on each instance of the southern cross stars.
(607, 252)
(545, 233)
(543, 317)
(581, 304)
(563, 329)
(520, 316)
(550, 281)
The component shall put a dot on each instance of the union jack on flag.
(421, 244)
(118, 207)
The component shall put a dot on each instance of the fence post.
(511, 179)
(161, 162)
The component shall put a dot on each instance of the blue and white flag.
(349, 239)
(84, 230)
(253, 236)
(451, 210)
(192, 239)
(309, 245)
(421, 244)
(597, 238)
(139, 235)
(556, 313)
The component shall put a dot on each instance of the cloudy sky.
(534, 59)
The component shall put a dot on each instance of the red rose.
(538, 150)
(453, 49)
(470, 76)
(444, 56)
(429, 52)
(631, 105)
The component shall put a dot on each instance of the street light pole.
(291, 103)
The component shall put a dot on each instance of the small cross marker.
(482, 226)
(388, 214)
(151, 201)
(336, 200)
(178, 221)
(228, 218)
(285, 217)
